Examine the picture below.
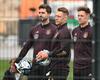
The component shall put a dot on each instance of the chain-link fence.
(14, 31)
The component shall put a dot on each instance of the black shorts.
(83, 74)
(59, 74)
(38, 72)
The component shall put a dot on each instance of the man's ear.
(65, 17)
(88, 15)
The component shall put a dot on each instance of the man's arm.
(24, 51)
(65, 43)
(25, 48)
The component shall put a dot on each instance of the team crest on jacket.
(85, 35)
(75, 37)
(36, 35)
(37, 31)
(48, 32)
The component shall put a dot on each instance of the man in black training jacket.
(60, 47)
(83, 50)
(40, 38)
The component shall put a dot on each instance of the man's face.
(43, 15)
(59, 18)
(83, 17)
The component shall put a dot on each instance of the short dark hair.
(45, 6)
(64, 10)
(86, 9)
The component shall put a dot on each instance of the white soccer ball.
(45, 62)
(24, 66)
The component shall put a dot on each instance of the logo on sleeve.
(36, 35)
(85, 35)
(75, 37)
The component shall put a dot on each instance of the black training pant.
(38, 72)
(59, 74)
(83, 74)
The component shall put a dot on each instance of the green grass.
(70, 77)
(4, 65)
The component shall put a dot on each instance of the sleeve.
(26, 47)
(91, 33)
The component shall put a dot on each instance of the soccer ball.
(24, 66)
(44, 62)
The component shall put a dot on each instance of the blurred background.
(17, 17)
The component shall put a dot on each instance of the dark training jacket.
(83, 46)
(61, 45)
(39, 38)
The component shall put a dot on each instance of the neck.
(61, 24)
(84, 25)
(45, 22)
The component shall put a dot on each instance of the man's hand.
(41, 55)
(12, 65)
(13, 68)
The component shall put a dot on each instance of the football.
(24, 66)
(44, 62)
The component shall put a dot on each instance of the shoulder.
(36, 26)
(65, 31)
(75, 29)
(90, 28)
(90, 32)
(66, 28)
(53, 25)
